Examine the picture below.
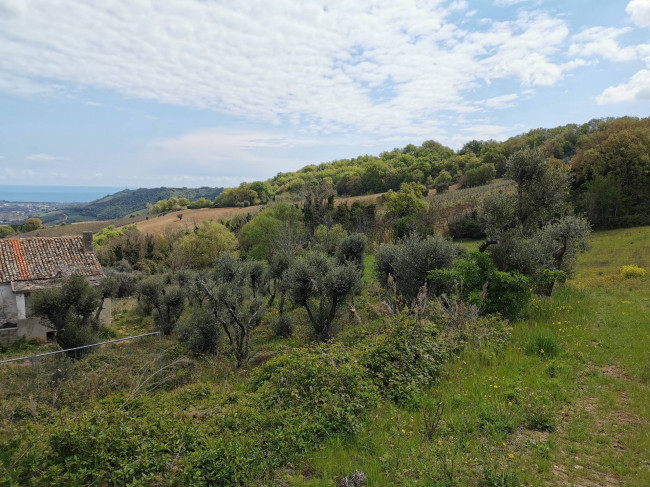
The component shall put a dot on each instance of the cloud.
(42, 157)
(508, 3)
(499, 102)
(381, 67)
(639, 12)
(230, 153)
(602, 42)
(637, 89)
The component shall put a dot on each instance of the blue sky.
(187, 93)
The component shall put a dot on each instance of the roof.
(44, 258)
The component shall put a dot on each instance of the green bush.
(477, 280)
(200, 435)
(326, 383)
(282, 326)
(405, 359)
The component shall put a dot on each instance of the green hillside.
(124, 203)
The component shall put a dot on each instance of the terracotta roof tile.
(25, 259)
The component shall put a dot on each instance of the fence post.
(38, 382)
(31, 359)
(160, 349)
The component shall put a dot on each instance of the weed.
(631, 271)
(543, 345)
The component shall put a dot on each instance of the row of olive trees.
(231, 297)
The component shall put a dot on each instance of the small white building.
(29, 264)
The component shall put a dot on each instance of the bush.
(32, 224)
(6, 231)
(478, 176)
(405, 359)
(199, 331)
(282, 326)
(476, 280)
(325, 382)
(409, 263)
(630, 271)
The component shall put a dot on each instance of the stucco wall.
(8, 309)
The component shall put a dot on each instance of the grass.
(576, 414)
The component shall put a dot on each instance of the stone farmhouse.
(29, 264)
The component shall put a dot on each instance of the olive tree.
(233, 291)
(322, 285)
(532, 230)
(71, 311)
(403, 268)
(166, 299)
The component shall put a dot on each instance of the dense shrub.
(282, 325)
(405, 359)
(478, 176)
(409, 262)
(326, 383)
(197, 435)
(477, 280)
(32, 224)
(199, 331)
(6, 231)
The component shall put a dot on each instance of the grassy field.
(567, 402)
(79, 228)
(159, 224)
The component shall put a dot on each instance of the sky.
(144, 93)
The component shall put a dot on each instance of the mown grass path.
(565, 402)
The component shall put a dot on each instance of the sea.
(55, 194)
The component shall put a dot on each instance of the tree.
(272, 226)
(405, 205)
(352, 249)
(542, 189)
(6, 231)
(532, 231)
(71, 311)
(166, 299)
(477, 176)
(199, 249)
(32, 224)
(233, 291)
(406, 265)
(322, 285)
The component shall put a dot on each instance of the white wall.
(8, 310)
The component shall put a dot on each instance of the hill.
(124, 203)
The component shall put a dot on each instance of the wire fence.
(54, 378)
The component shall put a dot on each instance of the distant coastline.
(56, 194)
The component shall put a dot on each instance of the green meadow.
(565, 402)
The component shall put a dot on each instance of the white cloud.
(639, 12)
(508, 3)
(637, 89)
(602, 41)
(382, 67)
(42, 157)
(499, 102)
